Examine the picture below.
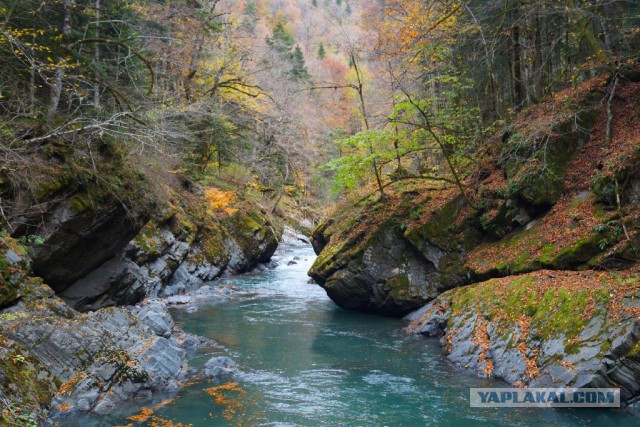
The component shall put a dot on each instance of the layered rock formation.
(56, 361)
(80, 328)
(543, 329)
(175, 254)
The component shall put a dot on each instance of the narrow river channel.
(305, 362)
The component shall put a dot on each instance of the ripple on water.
(390, 383)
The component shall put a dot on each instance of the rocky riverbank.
(83, 313)
(57, 361)
(543, 329)
(509, 270)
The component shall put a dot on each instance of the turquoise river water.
(305, 362)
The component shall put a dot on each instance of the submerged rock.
(219, 367)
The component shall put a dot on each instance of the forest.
(270, 91)
(439, 155)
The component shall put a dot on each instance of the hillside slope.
(556, 193)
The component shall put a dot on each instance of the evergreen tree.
(314, 3)
(281, 40)
(348, 9)
(321, 52)
(299, 69)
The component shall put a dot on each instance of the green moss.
(149, 242)
(634, 352)
(560, 311)
(581, 252)
(29, 386)
(11, 275)
(326, 262)
(182, 226)
(56, 181)
(81, 203)
(547, 253)
(552, 313)
(536, 165)
(399, 286)
(213, 244)
(438, 229)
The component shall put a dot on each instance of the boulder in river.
(219, 367)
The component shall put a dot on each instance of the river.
(305, 362)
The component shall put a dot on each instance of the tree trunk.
(516, 63)
(360, 90)
(538, 70)
(96, 59)
(56, 87)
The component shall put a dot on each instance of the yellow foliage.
(417, 29)
(142, 416)
(232, 404)
(164, 403)
(64, 407)
(161, 422)
(220, 201)
(66, 388)
(146, 415)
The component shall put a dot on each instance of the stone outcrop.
(176, 254)
(388, 275)
(56, 362)
(545, 329)
(544, 199)
(76, 243)
(106, 235)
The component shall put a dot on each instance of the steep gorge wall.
(112, 237)
(174, 253)
(552, 194)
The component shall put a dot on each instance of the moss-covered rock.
(11, 260)
(373, 258)
(389, 277)
(536, 162)
(26, 385)
(253, 237)
(535, 205)
(180, 248)
(570, 236)
(545, 329)
(56, 362)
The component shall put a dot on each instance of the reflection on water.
(306, 362)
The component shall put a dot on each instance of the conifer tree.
(321, 52)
